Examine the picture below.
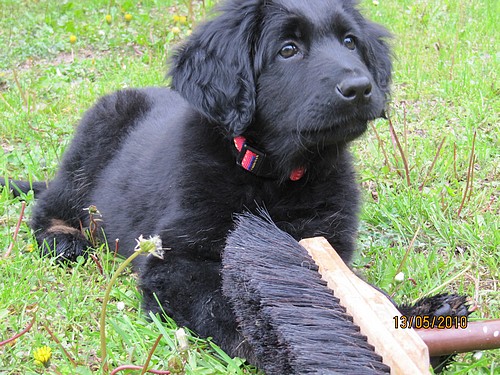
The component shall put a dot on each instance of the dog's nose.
(355, 88)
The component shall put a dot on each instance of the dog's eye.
(289, 50)
(350, 42)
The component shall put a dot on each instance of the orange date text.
(430, 321)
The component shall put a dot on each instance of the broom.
(296, 326)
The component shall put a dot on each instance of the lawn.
(429, 174)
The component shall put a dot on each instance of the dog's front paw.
(65, 246)
(438, 305)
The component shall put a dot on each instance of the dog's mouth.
(335, 133)
(338, 126)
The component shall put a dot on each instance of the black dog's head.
(295, 77)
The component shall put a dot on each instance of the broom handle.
(481, 335)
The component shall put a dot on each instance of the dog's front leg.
(188, 289)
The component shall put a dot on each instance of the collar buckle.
(249, 158)
(255, 161)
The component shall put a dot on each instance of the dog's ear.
(214, 69)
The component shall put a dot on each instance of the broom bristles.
(285, 311)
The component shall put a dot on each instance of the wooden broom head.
(285, 311)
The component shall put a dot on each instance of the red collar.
(255, 161)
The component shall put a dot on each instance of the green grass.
(445, 90)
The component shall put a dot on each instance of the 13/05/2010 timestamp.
(430, 321)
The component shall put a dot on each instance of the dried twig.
(455, 160)
(66, 353)
(150, 354)
(397, 144)
(6, 103)
(28, 327)
(442, 285)
(468, 183)
(421, 187)
(117, 245)
(20, 88)
(16, 231)
(97, 263)
(382, 146)
(412, 242)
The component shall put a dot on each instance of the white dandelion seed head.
(400, 277)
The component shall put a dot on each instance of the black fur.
(19, 188)
(162, 162)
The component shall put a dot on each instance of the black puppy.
(265, 99)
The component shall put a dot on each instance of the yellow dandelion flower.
(42, 355)
(72, 39)
(30, 248)
(128, 17)
(182, 20)
(108, 18)
(176, 18)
